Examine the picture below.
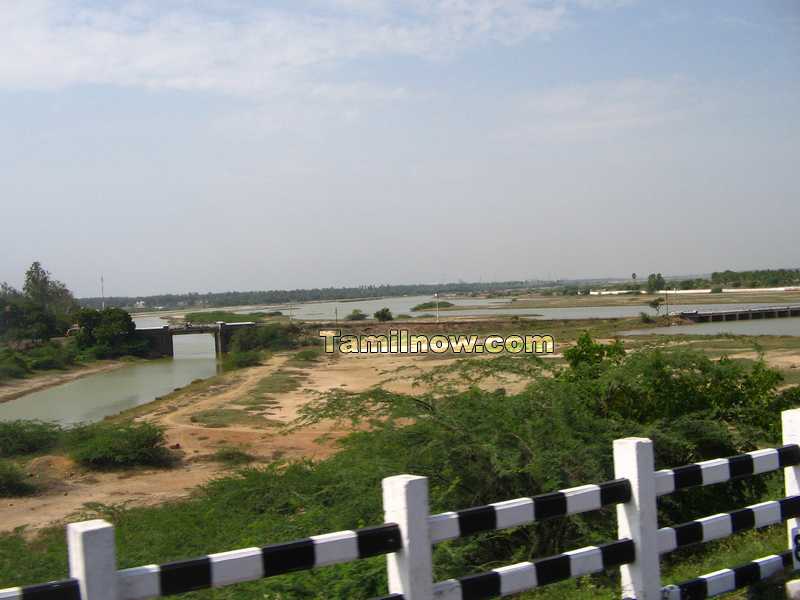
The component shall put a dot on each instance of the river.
(96, 396)
(93, 397)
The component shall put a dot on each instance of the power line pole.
(102, 293)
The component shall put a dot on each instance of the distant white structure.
(702, 291)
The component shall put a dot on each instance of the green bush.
(26, 437)
(233, 456)
(108, 446)
(51, 356)
(645, 318)
(274, 336)
(12, 481)
(12, 365)
(239, 359)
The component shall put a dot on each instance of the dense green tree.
(383, 315)
(108, 333)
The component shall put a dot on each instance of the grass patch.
(305, 358)
(232, 456)
(13, 482)
(225, 417)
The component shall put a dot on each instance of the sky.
(179, 146)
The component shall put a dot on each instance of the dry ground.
(67, 488)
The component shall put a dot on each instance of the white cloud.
(249, 50)
(599, 108)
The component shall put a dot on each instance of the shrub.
(274, 336)
(12, 365)
(383, 314)
(51, 356)
(716, 289)
(108, 446)
(27, 437)
(239, 359)
(233, 456)
(645, 318)
(356, 315)
(12, 481)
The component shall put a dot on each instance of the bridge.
(742, 314)
(161, 337)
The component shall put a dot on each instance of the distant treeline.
(755, 279)
(306, 295)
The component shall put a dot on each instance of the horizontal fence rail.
(522, 511)
(720, 470)
(410, 531)
(524, 576)
(723, 525)
(729, 580)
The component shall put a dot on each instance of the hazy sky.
(214, 145)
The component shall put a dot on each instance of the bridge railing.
(410, 531)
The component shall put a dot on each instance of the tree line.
(305, 295)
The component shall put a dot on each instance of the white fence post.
(93, 559)
(638, 518)
(405, 502)
(790, 420)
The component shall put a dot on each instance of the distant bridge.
(161, 337)
(742, 314)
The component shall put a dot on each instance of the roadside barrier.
(407, 537)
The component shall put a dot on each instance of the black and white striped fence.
(407, 537)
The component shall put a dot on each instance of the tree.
(356, 315)
(633, 276)
(655, 282)
(655, 304)
(110, 332)
(383, 315)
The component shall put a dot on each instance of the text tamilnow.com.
(400, 341)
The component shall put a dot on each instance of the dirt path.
(41, 381)
(69, 488)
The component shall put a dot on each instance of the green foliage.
(716, 289)
(273, 336)
(41, 311)
(645, 318)
(655, 282)
(240, 359)
(27, 437)
(233, 456)
(12, 365)
(13, 481)
(432, 304)
(759, 278)
(356, 315)
(383, 315)
(475, 447)
(655, 304)
(109, 333)
(112, 446)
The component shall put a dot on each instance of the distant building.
(139, 304)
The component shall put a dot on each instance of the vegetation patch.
(432, 304)
(305, 358)
(226, 417)
(27, 437)
(13, 481)
(232, 456)
(114, 446)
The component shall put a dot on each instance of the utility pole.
(102, 293)
(437, 305)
